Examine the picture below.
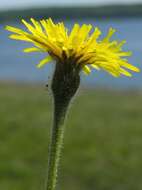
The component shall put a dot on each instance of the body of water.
(18, 66)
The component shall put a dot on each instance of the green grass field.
(103, 139)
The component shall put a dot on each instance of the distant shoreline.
(134, 10)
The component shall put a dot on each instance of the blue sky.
(10, 4)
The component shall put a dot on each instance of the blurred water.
(16, 65)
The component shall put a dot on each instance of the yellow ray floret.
(84, 48)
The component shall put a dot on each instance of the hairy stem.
(56, 143)
(65, 83)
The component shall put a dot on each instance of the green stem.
(56, 143)
(64, 85)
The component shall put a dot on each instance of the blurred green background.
(103, 138)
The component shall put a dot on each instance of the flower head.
(80, 47)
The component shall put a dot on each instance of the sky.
(11, 4)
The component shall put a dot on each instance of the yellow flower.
(80, 47)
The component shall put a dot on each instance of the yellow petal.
(110, 33)
(45, 26)
(15, 30)
(121, 43)
(19, 37)
(50, 22)
(95, 35)
(32, 49)
(74, 32)
(114, 74)
(83, 33)
(129, 66)
(86, 70)
(128, 53)
(124, 72)
(36, 24)
(29, 27)
(95, 66)
(44, 61)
